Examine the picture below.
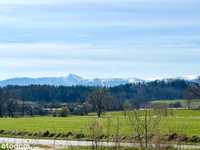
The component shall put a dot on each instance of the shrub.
(52, 134)
(195, 139)
(58, 135)
(79, 135)
(46, 133)
(35, 134)
(2, 131)
(69, 134)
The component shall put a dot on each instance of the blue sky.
(100, 38)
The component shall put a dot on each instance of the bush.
(79, 135)
(195, 139)
(52, 134)
(64, 112)
(46, 133)
(69, 134)
(35, 134)
(172, 136)
(2, 131)
(30, 134)
(58, 135)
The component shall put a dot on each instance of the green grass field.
(183, 102)
(183, 121)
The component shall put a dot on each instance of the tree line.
(60, 100)
(155, 90)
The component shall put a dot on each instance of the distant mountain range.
(70, 80)
(73, 80)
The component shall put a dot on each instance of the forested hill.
(156, 90)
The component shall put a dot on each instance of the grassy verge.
(103, 148)
(121, 148)
(182, 122)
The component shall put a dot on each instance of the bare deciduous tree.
(144, 122)
(95, 131)
(126, 107)
(117, 137)
(100, 99)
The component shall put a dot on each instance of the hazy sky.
(99, 38)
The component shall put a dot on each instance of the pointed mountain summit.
(74, 77)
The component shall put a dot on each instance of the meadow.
(183, 102)
(182, 122)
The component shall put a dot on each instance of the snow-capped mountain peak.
(74, 77)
